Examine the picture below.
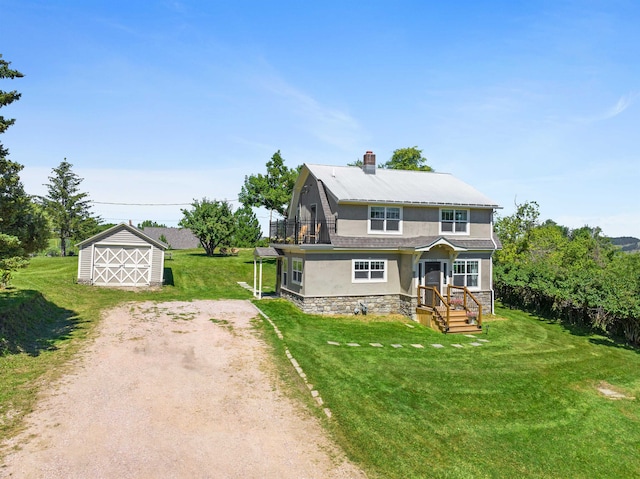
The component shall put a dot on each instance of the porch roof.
(266, 252)
(419, 242)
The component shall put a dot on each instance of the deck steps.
(458, 322)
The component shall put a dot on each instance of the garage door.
(122, 265)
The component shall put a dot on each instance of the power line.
(151, 204)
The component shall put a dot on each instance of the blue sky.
(161, 102)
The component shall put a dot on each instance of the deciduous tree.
(407, 159)
(150, 224)
(213, 223)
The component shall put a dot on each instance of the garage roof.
(121, 226)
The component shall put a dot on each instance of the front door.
(430, 274)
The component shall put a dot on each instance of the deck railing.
(301, 232)
(441, 306)
(470, 303)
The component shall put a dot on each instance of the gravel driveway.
(165, 392)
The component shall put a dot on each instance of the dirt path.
(164, 392)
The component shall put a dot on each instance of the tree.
(212, 222)
(248, 231)
(273, 190)
(6, 98)
(68, 209)
(150, 224)
(407, 159)
(23, 227)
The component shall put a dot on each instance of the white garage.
(121, 256)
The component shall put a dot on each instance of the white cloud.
(623, 103)
(330, 125)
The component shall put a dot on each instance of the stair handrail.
(443, 319)
(466, 294)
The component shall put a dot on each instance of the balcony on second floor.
(294, 231)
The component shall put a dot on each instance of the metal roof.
(350, 184)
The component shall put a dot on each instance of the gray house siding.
(346, 194)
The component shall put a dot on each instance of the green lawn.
(45, 316)
(524, 404)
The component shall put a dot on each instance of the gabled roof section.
(441, 241)
(349, 184)
(108, 232)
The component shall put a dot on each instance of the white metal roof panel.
(349, 184)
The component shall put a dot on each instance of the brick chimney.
(369, 163)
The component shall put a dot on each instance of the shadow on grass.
(30, 324)
(168, 277)
(614, 342)
(581, 329)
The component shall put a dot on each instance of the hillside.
(627, 243)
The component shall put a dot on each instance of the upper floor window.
(466, 272)
(454, 221)
(369, 270)
(385, 219)
(296, 270)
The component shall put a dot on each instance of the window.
(454, 221)
(369, 270)
(285, 271)
(296, 273)
(385, 219)
(466, 273)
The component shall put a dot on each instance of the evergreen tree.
(273, 190)
(23, 227)
(248, 231)
(67, 207)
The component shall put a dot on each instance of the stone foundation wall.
(483, 296)
(384, 304)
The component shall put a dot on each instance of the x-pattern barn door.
(123, 265)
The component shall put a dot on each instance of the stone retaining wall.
(384, 304)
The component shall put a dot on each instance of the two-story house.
(381, 241)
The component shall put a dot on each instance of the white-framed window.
(369, 270)
(385, 219)
(285, 271)
(466, 272)
(296, 270)
(454, 221)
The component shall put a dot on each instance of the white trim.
(466, 260)
(445, 272)
(369, 279)
(295, 259)
(284, 281)
(384, 231)
(457, 233)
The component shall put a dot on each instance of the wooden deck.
(455, 314)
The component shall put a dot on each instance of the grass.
(525, 404)
(45, 316)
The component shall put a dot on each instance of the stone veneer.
(384, 304)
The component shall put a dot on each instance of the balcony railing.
(301, 232)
